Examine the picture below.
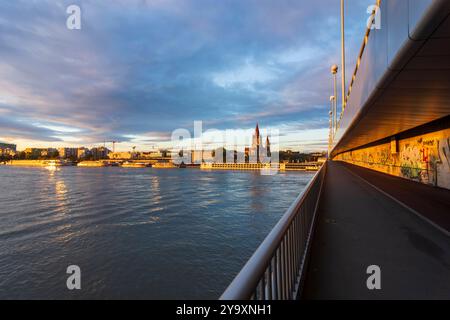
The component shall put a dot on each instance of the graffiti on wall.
(424, 158)
(410, 162)
(444, 152)
(443, 174)
(418, 159)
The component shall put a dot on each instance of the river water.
(134, 233)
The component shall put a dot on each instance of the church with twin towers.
(258, 152)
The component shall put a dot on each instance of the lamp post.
(343, 55)
(334, 71)
(332, 108)
(330, 135)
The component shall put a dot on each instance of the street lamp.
(334, 71)
(330, 135)
(343, 55)
(332, 100)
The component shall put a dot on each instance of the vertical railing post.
(286, 271)
(278, 274)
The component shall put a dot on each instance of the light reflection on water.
(135, 233)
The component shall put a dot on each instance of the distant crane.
(114, 145)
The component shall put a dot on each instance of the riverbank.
(38, 163)
(166, 165)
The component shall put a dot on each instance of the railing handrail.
(363, 47)
(244, 284)
(358, 61)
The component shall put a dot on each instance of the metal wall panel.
(415, 14)
(401, 83)
(397, 27)
(379, 53)
(373, 66)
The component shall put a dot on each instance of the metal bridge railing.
(276, 269)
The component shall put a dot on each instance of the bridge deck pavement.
(359, 226)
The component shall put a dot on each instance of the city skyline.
(121, 80)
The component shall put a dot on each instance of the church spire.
(257, 130)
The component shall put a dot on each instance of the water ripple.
(135, 233)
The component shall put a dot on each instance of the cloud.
(152, 66)
(247, 76)
(13, 129)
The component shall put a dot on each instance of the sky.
(139, 69)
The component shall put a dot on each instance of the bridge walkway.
(359, 225)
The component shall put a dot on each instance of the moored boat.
(135, 165)
(164, 165)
